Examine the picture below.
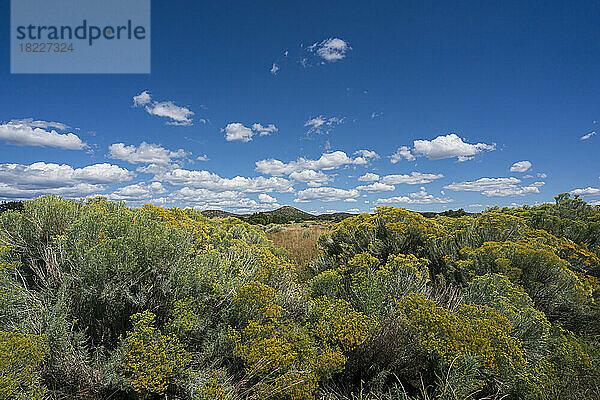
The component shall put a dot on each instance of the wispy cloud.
(322, 125)
(587, 136)
(178, 116)
(330, 50)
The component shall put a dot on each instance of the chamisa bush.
(100, 301)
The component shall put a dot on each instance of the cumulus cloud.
(236, 131)
(587, 136)
(322, 125)
(327, 161)
(377, 187)
(420, 197)
(28, 181)
(520, 166)
(203, 199)
(442, 147)
(145, 153)
(137, 193)
(27, 132)
(496, 187)
(330, 50)
(203, 157)
(369, 177)
(587, 191)
(325, 194)
(402, 153)
(265, 198)
(208, 180)
(178, 116)
(415, 178)
(274, 69)
(311, 178)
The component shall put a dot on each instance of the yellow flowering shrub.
(151, 360)
(529, 324)
(546, 277)
(257, 300)
(471, 330)
(183, 316)
(340, 325)
(285, 358)
(20, 357)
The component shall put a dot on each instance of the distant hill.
(287, 214)
(282, 215)
(290, 212)
(220, 214)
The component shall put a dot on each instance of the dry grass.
(299, 241)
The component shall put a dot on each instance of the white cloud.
(369, 177)
(441, 147)
(377, 187)
(27, 132)
(587, 191)
(402, 153)
(420, 197)
(330, 50)
(496, 187)
(179, 116)
(415, 178)
(376, 114)
(274, 69)
(520, 166)
(236, 131)
(353, 210)
(367, 154)
(211, 181)
(322, 125)
(203, 199)
(325, 194)
(28, 181)
(145, 153)
(265, 198)
(587, 136)
(203, 157)
(141, 99)
(137, 193)
(311, 178)
(449, 146)
(541, 175)
(264, 130)
(327, 161)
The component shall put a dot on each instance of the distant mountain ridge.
(288, 214)
(281, 215)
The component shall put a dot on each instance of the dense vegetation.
(99, 301)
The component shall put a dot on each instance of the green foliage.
(151, 360)
(111, 302)
(20, 357)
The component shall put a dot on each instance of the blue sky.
(338, 106)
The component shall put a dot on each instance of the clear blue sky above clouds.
(445, 97)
